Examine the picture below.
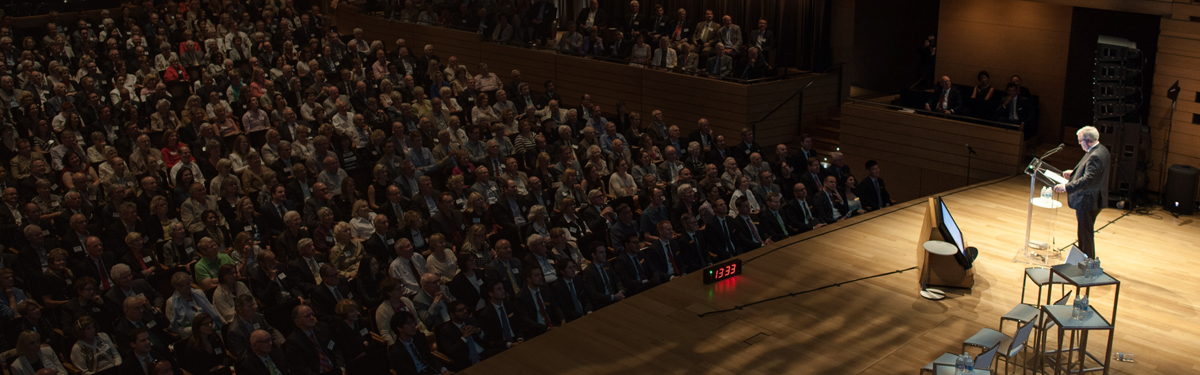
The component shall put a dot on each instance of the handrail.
(968, 119)
(835, 67)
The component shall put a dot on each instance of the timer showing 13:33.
(723, 271)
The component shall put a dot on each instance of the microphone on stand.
(1053, 150)
(970, 149)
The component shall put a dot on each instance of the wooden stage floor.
(881, 325)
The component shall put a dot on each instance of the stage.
(880, 325)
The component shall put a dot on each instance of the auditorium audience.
(478, 217)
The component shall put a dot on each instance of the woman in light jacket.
(394, 302)
(30, 353)
(94, 352)
(227, 291)
(185, 303)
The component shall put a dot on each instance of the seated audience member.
(410, 354)
(871, 190)
(828, 205)
(984, 90)
(946, 99)
(310, 347)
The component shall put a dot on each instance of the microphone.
(1053, 150)
(970, 149)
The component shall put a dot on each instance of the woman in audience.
(94, 352)
(31, 319)
(32, 356)
(537, 222)
(850, 192)
(594, 179)
(377, 190)
(441, 261)
(645, 167)
(350, 332)
(95, 154)
(181, 308)
(477, 211)
(204, 352)
(640, 55)
(570, 187)
(345, 200)
(984, 90)
(457, 188)
(731, 175)
(743, 190)
(565, 217)
(183, 182)
(227, 291)
(370, 274)
(483, 114)
(213, 230)
(143, 262)
(252, 176)
(55, 284)
(564, 247)
(542, 170)
(87, 302)
(322, 235)
(621, 183)
(246, 220)
(244, 253)
(394, 303)
(476, 242)
(238, 153)
(363, 221)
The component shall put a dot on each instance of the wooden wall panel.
(1006, 37)
(925, 155)
(1178, 59)
(684, 99)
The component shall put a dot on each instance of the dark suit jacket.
(742, 234)
(794, 215)
(323, 301)
(824, 211)
(719, 241)
(1088, 187)
(517, 322)
(462, 289)
(285, 244)
(302, 356)
(252, 365)
(953, 102)
(402, 362)
(87, 267)
(562, 294)
(527, 307)
(140, 286)
(600, 21)
(451, 343)
(659, 260)
(502, 212)
(302, 275)
(632, 271)
(131, 366)
(1024, 110)
(693, 250)
(294, 193)
(869, 197)
(770, 228)
(742, 152)
(237, 335)
(595, 285)
(382, 249)
(124, 327)
(495, 271)
(271, 218)
(269, 292)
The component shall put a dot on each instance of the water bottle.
(1074, 309)
(959, 364)
(1085, 311)
(969, 364)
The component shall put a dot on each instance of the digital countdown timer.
(723, 271)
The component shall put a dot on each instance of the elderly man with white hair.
(1087, 186)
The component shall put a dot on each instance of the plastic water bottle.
(969, 364)
(1085, 311)
(1074, 310)
(960, 364)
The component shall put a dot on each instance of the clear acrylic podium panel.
(1042, 247)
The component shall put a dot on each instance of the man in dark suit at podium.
(1087, 186)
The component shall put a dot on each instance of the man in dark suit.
(541, 18)
(449, 221)
(395, 206)
(310, 348)
(96, 264)
(549, 94)
(510, 210)
(812, 177)
(719, 233)
(264, 358)
(946, 99)
(328, 294)
(269, 283)
(658, 24)
(1087, 186)
(462, 340)
(273, 211)
(762, 38)
(467, 285)
(799, 212)
(500, 321)
(718, 153)
(772, 221)
(871, 190)
(381, 243)
(301, 186)
(139, 316)
(126, 286)
(745, 232)
(320, 198)
(634, 273)
(828, 205)
(632, 20)
(1016, 109)
(747, 146)
(505, 268)
(141, 356)
(536, 302)
(591, 18)
(127, 223)
(569, 291)
(410, 354)
(286, 243)
(665, 253)
(245, 322)
(600, 279)
(692, 246)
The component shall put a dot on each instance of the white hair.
(1089, 133)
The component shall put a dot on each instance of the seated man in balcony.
(946, 99)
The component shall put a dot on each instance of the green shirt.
(207, 269)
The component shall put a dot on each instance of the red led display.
(723, 271)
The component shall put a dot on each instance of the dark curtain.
(801, 26)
